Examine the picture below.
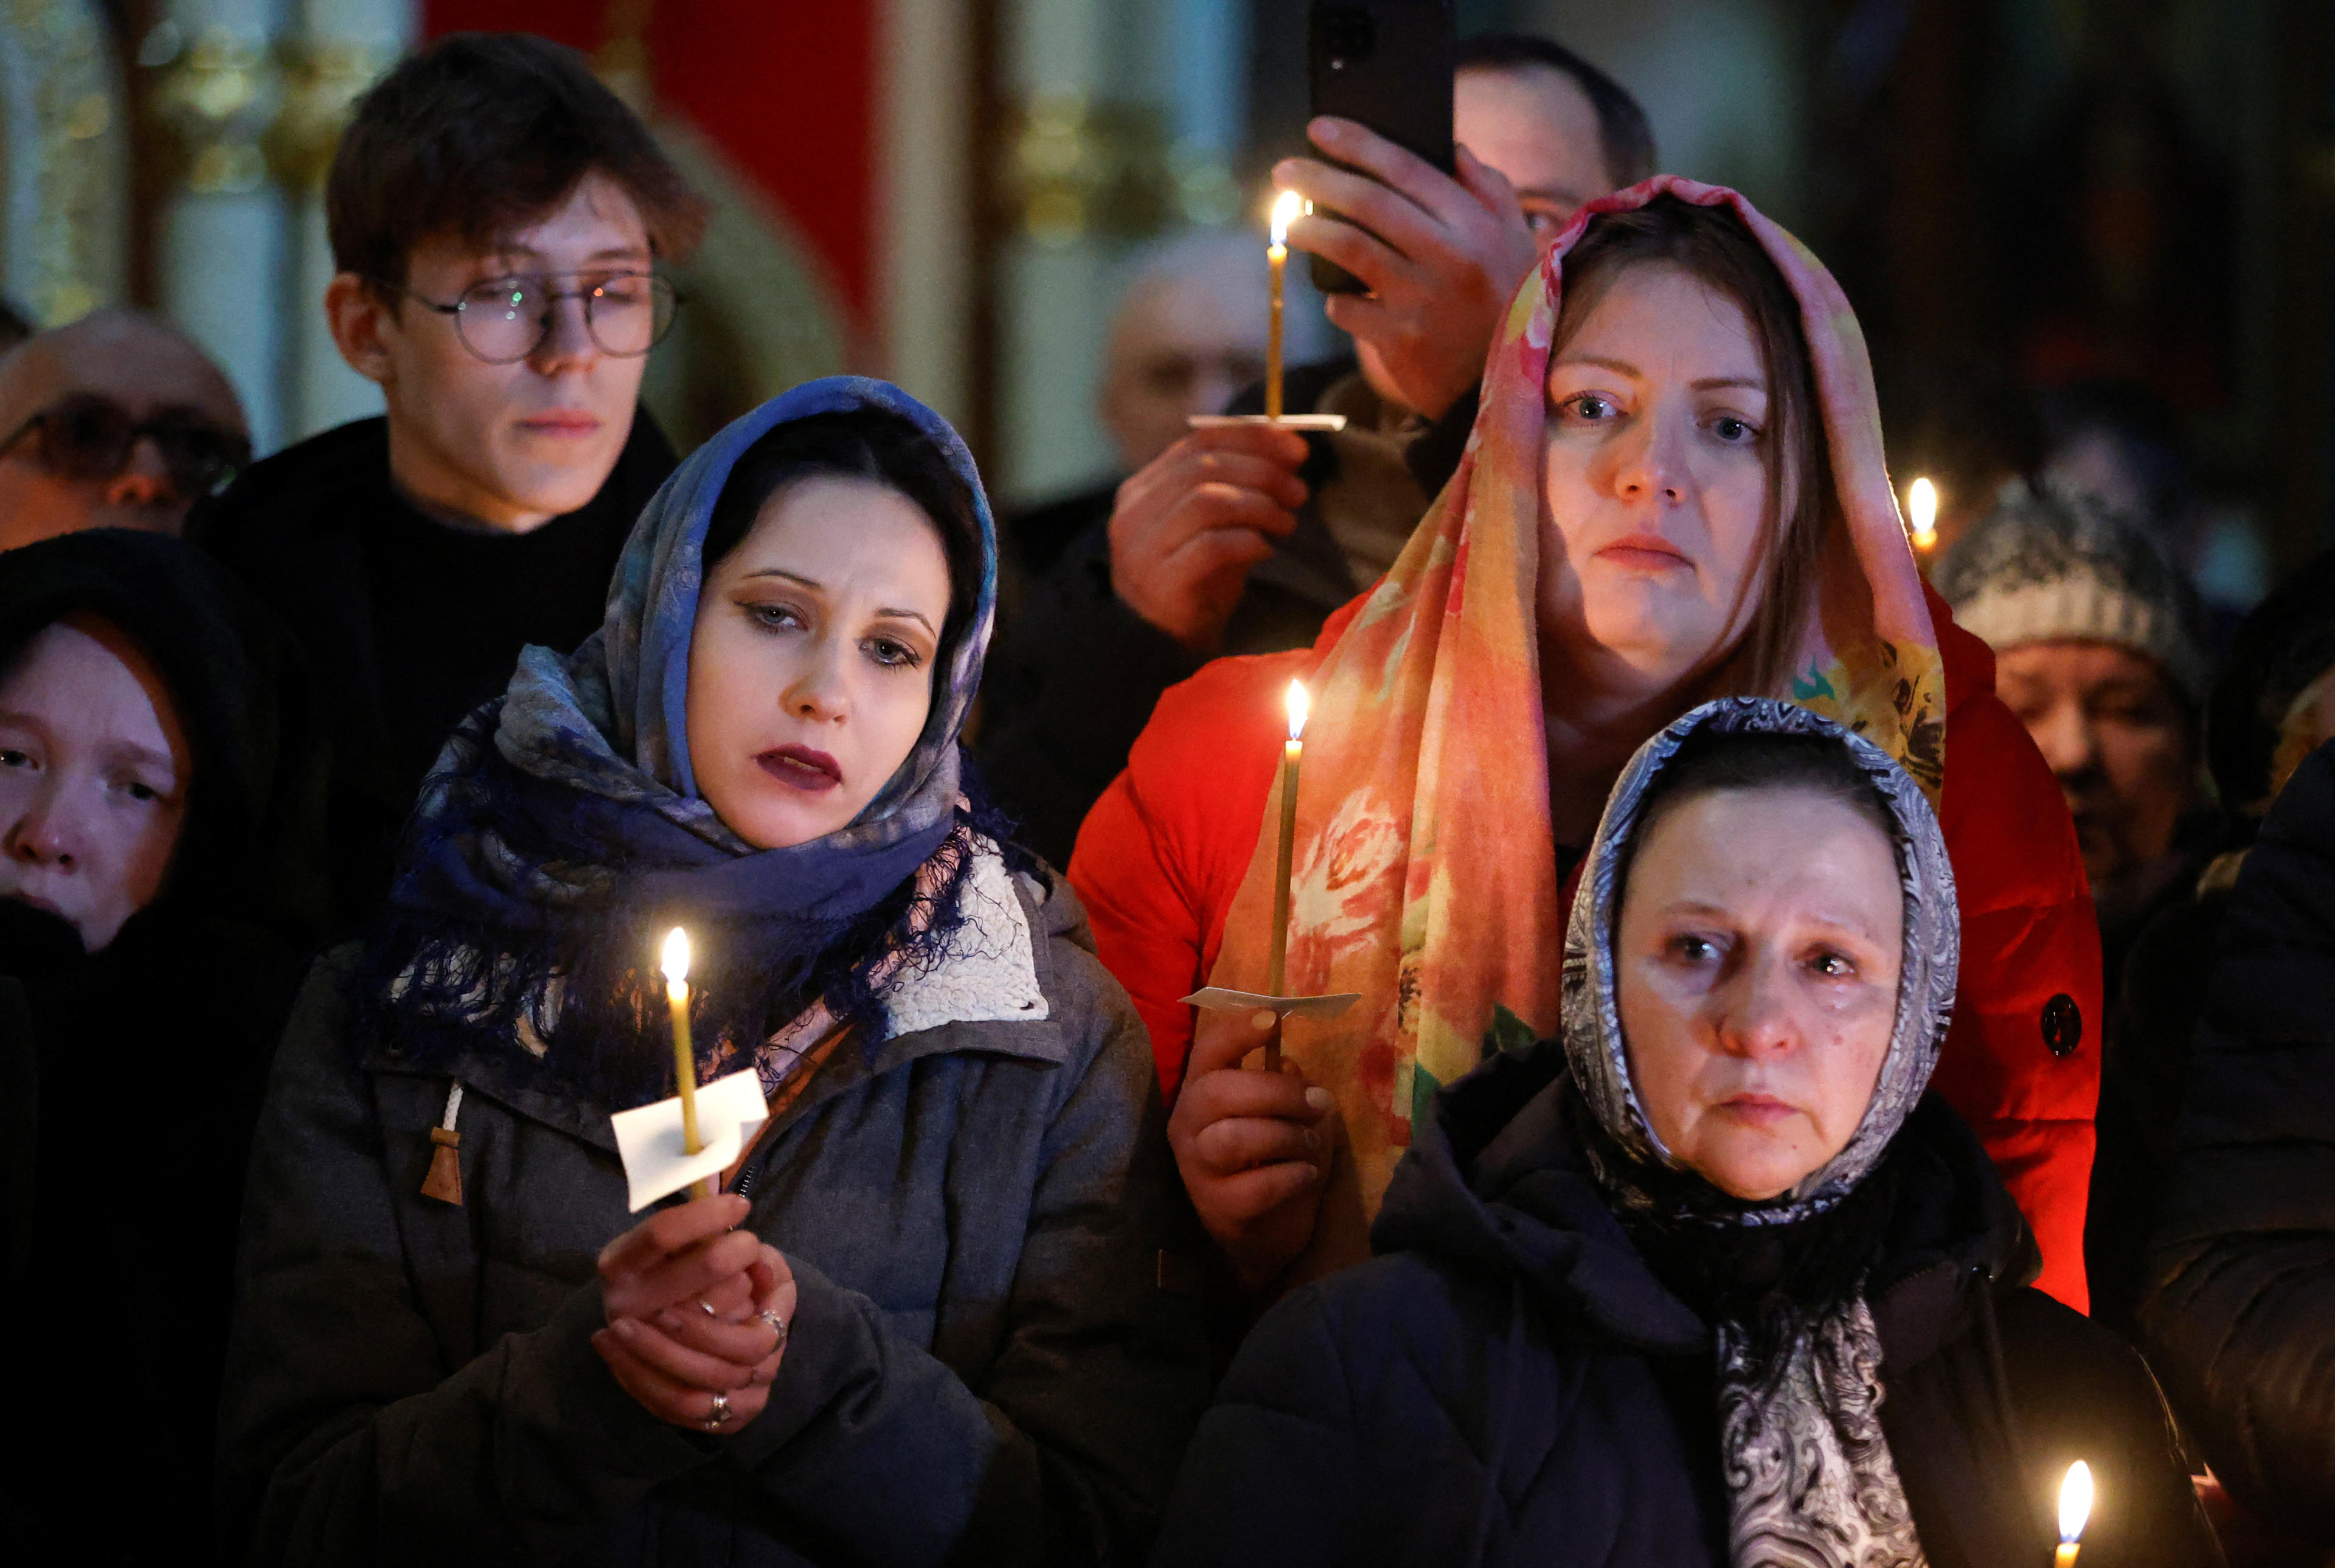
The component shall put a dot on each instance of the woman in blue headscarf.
(921, 1319)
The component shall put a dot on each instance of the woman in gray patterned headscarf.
(1750, 1031)
(1713, 1280)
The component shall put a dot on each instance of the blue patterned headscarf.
(562, 827)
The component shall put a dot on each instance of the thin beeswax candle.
(684, 1056)
(1285, 207)
(1293, 752)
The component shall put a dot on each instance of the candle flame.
(1298, 704)
(676, 956)
(1921, 512)
(2075, 1501)
(1285, 209)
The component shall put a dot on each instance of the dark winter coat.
(1035, 537)
(981, 1367)
(2239, 1311)
(1077, 671)
(409, 624)
(1507, 1383)
(2286, 644)
(2144, 1084)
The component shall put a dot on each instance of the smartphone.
(1386, 64)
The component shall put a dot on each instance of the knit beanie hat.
(2049, 565)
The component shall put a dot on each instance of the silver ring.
(777, 1326)
(719, 1414)
(706, 1307)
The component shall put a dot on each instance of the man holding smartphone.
(1244, 539)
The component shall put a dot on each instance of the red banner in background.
(786, 88)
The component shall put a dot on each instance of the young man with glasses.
(115, 422)
(496, 217)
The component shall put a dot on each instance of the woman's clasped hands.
(697, 1314)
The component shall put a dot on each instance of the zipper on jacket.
(1996, 1369)
(759, 1157)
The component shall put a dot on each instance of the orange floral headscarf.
(1426, 874)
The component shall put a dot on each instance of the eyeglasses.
(505, 320)
(87, 437)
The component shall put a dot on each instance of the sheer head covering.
(1809, 1477)
(251, 849)
(562, 829)
(1427, 874)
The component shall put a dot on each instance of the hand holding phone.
(1441, 257)
(1386, 65)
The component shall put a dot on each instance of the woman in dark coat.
(159, 906)
(2238, 1312)
(921, 1321)
(2273, 705)
(1714, 1280)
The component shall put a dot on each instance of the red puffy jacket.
(1163, 852)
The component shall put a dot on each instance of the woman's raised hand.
(697, 1314)
(1254, 1147)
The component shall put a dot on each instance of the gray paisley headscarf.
(1809, 1477)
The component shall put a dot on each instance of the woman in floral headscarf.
(920, 1320)
(1675, 490)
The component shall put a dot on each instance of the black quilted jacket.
(2239, 1315)
(1507, 1383)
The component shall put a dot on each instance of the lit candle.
(1921, 512)
(684, 1058)
(1292, 752)
(1285, 207)
(2075, 1508)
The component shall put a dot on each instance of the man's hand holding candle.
(1442, 257)
(1254, 1147)
(693, 1307)
(1186, 527)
